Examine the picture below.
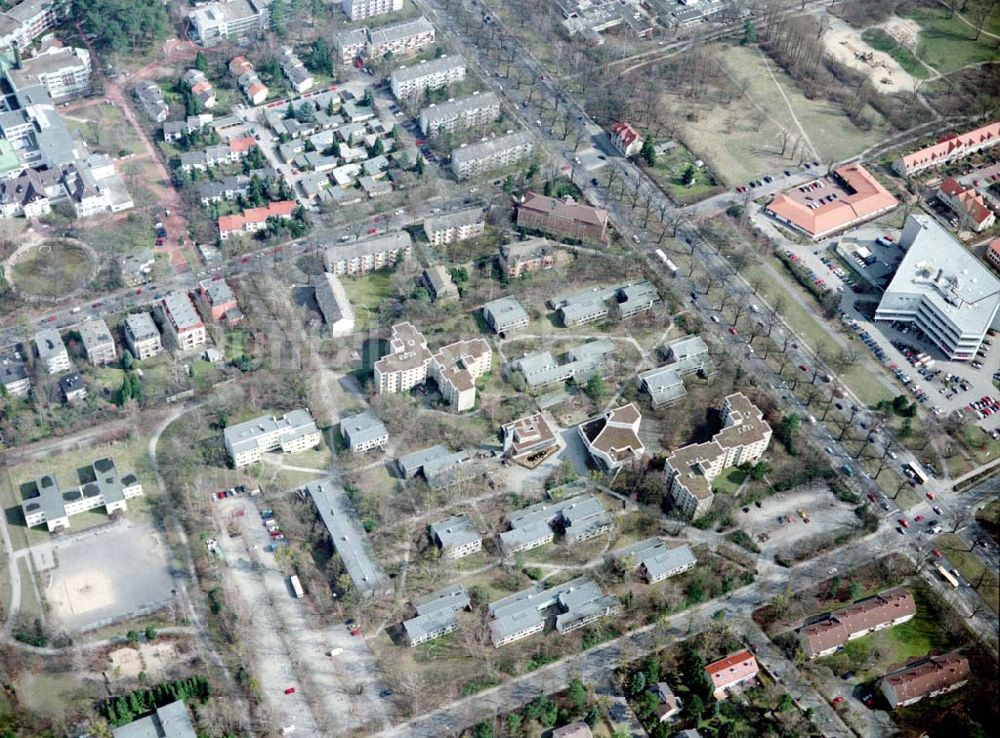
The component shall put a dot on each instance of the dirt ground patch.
(152, 658)
(845, 45)
(826, 515)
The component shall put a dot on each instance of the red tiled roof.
(968, 198)
(228, 223)
(201, 87)
(928, 675)
(625, 132)
(567, 209)
(242, 145)
(255, 88)
(949, 144)
(731, 669)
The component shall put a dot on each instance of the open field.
(104, 129)
(971, 567)
(670, 170)
(366, 294)
(946, 43)
(52, 269)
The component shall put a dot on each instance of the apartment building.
(626, 139)
(581, 518)
(292, 433)
(365, 256)
(599, 303)
(533, 255)
(505, 315)
(351, 44)
(25, 21)
(72, 387)
(400, 39)
(412, 81)
(690, 470)
(45, 502)
(576, 603)
(439, 284)
(455, 226)
(364, 9)
(943, 289)
(182, 321)
(731, 674)
(655, 560)
(407, 363)
(437, 614)
(64, 71)
(494, 153)
(14, 372)
(928, 677)
(993, 253)
(98, 344)
(142, 336)
(363, 432)
(685, 356)
(51, 351)
(462, 114)
(211, 23)
(333, 303)
(563, 217)
(526, 438)
(439, 466)
(612, 440)
(829, 635)
(456, 537)
(968, 205)
(219, 298)
(948, 149)
(540, 369)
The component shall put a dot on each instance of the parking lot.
(825, 512)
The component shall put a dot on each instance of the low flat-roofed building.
(731, 673)
(183, 321)
(437, 614)
(849, 196)
(598, 303)
(51, 351)
(540, 369)
(97, 342)
(830, 634)
(534, 255)
(439, 284)
(295, 431)
(414, 80)
(581, 517)
(368, 255)
(612, 440)
(455, 226)
(493, 153)
(334, 304)
(64, 71)
(943, 289)
(655, 560)
(505, 315)
(563, 217)
(101, 486)
(473, 111)
(73, 388)
(928, 677)
(170, 721)
(685, 356)
(364, 432)
(456, 537)
(142, 336)
(14, 372)
(528, 437)
(348, 540)
(212, 23)
(578, 729)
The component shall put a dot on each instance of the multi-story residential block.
(455, 226)
(14, 372)
(655, 560)
(407, 363)
(598, 303)
(72, 387)
(685, 356)
(255, 219)
(626, 139)
(731, 674)
(228, 19)
(44, 502)
(22, 23)
(439, 284)
(533, 255)
(928, 677)
(529, 438)
(612, 440)
(464, 113)
(51, 351)
(456, 367)
(331, 297)
(563, 217)
(576, 603)
(364, 9)
(540, 369)
(351, 44)
(98, 344)
(942, 289)
(494, 153)
(400, 39)
(436, 614)
(292, 433)
(363, 432)
(299, 78)
(456, 537)
(505, 315)
(182, 321)
(968, 205)
(444, 71)
(64, 71)
(830, 634)
(581, 518)
(365, 256)
(690, 470)
(948, 149)
(142, 336)
(219, 297)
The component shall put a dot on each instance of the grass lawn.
(52, 269)
(56, 696)
(30, 606)
(670, 170)
(104, 129)
(971, 567)
(946, 43)
(129, 236)
(729, 481)
(882, 41)
(366, 294)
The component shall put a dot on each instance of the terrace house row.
(833, 632)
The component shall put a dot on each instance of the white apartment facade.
(400, 38)
(183, 321)
(496, 153)
(446, 70)
(467, 112)
(294, 432)
(363, 9)
(142, 336)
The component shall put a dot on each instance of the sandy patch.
(844, 44)
(905, 30)
(125, 662)
(81, 593)
(152, 658)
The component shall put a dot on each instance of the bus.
(947, 576)
(296, 586)
(914, 470)
(671, 267)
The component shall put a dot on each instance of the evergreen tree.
(648, 151)
(201, 62)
